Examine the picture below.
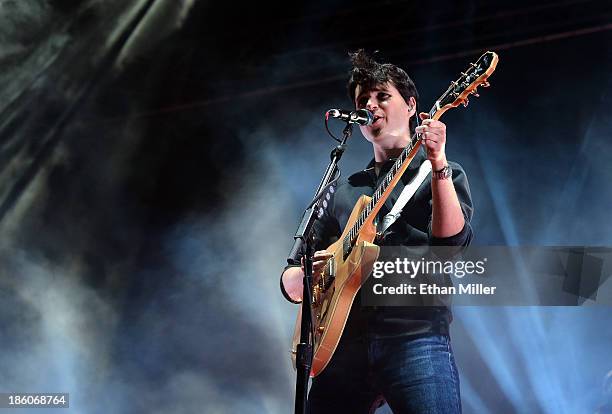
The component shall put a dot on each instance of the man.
(400, 353)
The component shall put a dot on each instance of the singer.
(398, 354)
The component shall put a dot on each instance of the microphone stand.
(303, 243)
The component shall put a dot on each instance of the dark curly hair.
(369, 73)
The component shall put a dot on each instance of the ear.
(411, 106)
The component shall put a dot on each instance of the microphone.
(361, 116)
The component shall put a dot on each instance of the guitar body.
(334, 296)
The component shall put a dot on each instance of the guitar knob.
(321, 329)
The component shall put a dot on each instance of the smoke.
(56, 330)
(531, 357)
(230, 263)
(15, 15)
(163, 19)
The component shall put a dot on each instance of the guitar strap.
(406, 195)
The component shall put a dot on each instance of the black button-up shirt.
(412, 228)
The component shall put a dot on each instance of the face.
(391, 114)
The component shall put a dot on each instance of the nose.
(371, 105)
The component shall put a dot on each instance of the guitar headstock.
(476, 75)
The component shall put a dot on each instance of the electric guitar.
(354, 253)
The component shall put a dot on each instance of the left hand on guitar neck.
(433, 134)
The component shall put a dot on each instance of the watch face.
(444, 173)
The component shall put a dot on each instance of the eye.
(383, 96)
(361, 102)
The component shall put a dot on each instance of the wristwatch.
(443, 173)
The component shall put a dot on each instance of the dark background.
(155, 156)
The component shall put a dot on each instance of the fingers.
(432, 124)
(433, 134)
(322, 254)
(427, 138)
(319, 261)
(432, 130)
(429, 134)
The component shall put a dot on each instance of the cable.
(327, 128)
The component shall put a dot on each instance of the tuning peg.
(466, 102)
(475, 93)
(486, 84)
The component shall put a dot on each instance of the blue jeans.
(413, 375)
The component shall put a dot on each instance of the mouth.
(376, 120)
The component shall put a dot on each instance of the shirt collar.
(415, 164)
